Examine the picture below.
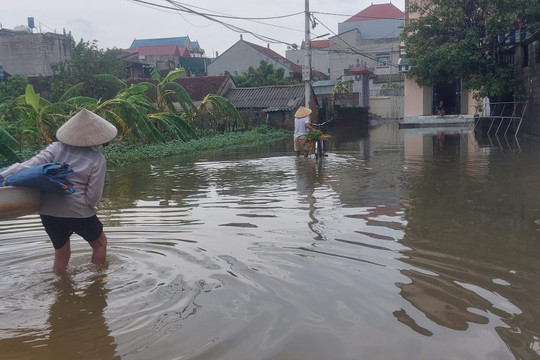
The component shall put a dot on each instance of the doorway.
(450, 95)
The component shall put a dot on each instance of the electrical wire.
(180, 7)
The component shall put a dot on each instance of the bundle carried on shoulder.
(20, 193)
(45, 177)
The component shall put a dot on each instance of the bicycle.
(319, 143)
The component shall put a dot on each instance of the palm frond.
(173, 75)
(136, 89)
(73, 91)
(174, 126)
(83, 101)
(155, 75)
(31, 98)
(179, 94)
(224, 111)
(8, 144)
(110, 79)
(130, 119)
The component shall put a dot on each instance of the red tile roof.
(197, 87)
(317, 44)
(377, 12)
(360, 70)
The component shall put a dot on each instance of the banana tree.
(168, 92)
(226, 116)
(31, 109)
(147, 118)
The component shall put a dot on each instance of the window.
(383, 60)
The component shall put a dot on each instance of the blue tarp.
(46, 177)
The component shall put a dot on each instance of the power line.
(238, 17)
(180, 7)
(361, 16)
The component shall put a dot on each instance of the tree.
(84, 66)
(458, 40)
(264, 75)
(225, 117)
(12, 87)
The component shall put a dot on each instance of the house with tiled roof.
(273, 105)
(370, 37)
(167, 54)
(370, 40)
(178, 40)
(243, 54)
(163, 57)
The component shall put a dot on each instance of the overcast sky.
(116, 23)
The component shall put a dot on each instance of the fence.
(504, 113)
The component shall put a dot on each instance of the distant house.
(377, 21)
(137, 68)
(272, 105)
(167, 54)
(239, 57)
(193, 47)
(370, 38)
(197, 51)
(163, 57)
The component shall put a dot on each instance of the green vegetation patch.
(121, 154)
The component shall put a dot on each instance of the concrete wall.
(374, 29)
(320, 59)
(387, 107)
(30, 55)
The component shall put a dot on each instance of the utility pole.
(306, 70)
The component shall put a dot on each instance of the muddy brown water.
(400, 244)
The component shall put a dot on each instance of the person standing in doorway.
(65, 214)
(301, 126)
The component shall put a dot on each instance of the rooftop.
(268, 98)
(378, 12)
(180, 41)
(180, 51)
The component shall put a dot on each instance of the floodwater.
(400, 244)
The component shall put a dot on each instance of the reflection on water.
(401, 244)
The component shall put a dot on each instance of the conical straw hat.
(86, 129)
(302, 112)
